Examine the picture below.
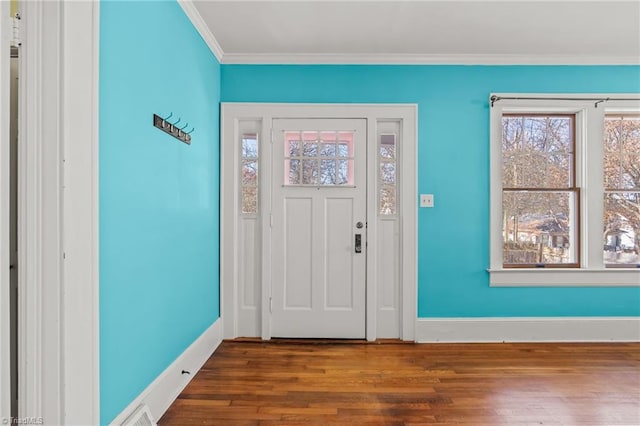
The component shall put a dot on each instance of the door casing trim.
(232, 114)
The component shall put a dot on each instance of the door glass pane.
(249, 173)
(249, 146)
(328, 150)
(318, 158)
(387, 174)
(388, 200)
(328, 172)
(294, 172)
(309, 172)
(249, 199)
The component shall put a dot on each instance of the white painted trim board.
(533, 329)
(5, 333)
(161, 393)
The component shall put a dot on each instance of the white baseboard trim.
(161, 393)
(536, 329)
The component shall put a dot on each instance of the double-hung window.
(565, 190)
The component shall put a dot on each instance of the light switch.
(426, 200)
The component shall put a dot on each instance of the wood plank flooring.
(288, 383)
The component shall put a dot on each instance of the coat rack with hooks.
(172, 128)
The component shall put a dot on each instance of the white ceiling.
(427, 31)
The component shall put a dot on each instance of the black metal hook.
(164, 120)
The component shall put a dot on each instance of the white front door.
(319, 228)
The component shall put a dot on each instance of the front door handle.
(358, 243)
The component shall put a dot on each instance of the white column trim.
(5, 110)
(58, 312)
(35, 167)
(80, 317)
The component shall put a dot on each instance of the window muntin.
(319, 158)
(249, 173)
(387, 174)
(621, 166)
(539, 196)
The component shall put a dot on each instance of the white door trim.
(232, 115)
(58, 281)
(5, 110)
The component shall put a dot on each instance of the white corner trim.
(556, 277)
(534, 329)
(201, 26)
(422, 59)
(161, 393)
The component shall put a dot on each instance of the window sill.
(557, 277)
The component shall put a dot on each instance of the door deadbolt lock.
(359, 225)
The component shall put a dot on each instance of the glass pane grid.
(318, 158)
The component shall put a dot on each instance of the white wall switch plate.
(426, 200)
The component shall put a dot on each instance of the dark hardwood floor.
(286, 383)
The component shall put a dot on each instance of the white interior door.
(319, 235)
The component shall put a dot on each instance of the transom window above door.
(318, 158)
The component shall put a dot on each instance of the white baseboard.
(537, 329)
(161, 393)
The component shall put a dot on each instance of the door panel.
(339, 268)
(299, 253)
(319, 195)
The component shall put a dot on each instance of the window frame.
(589, 133)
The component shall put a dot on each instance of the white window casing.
(589, 178)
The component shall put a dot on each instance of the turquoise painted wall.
(159, 198)
(453, 158)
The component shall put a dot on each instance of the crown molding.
(201, 26)
(426, 59)
(389, 58)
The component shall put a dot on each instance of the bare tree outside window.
(387, 174)
(540, 199)
(622, 190)
(249, 178)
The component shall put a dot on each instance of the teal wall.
(159, 198)
(453, 164)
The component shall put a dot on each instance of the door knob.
(358, 243)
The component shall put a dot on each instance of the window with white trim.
(565, 191)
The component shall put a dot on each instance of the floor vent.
(141, 417)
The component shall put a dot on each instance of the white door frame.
(263, 113)
(5, 110)
(58, 258)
